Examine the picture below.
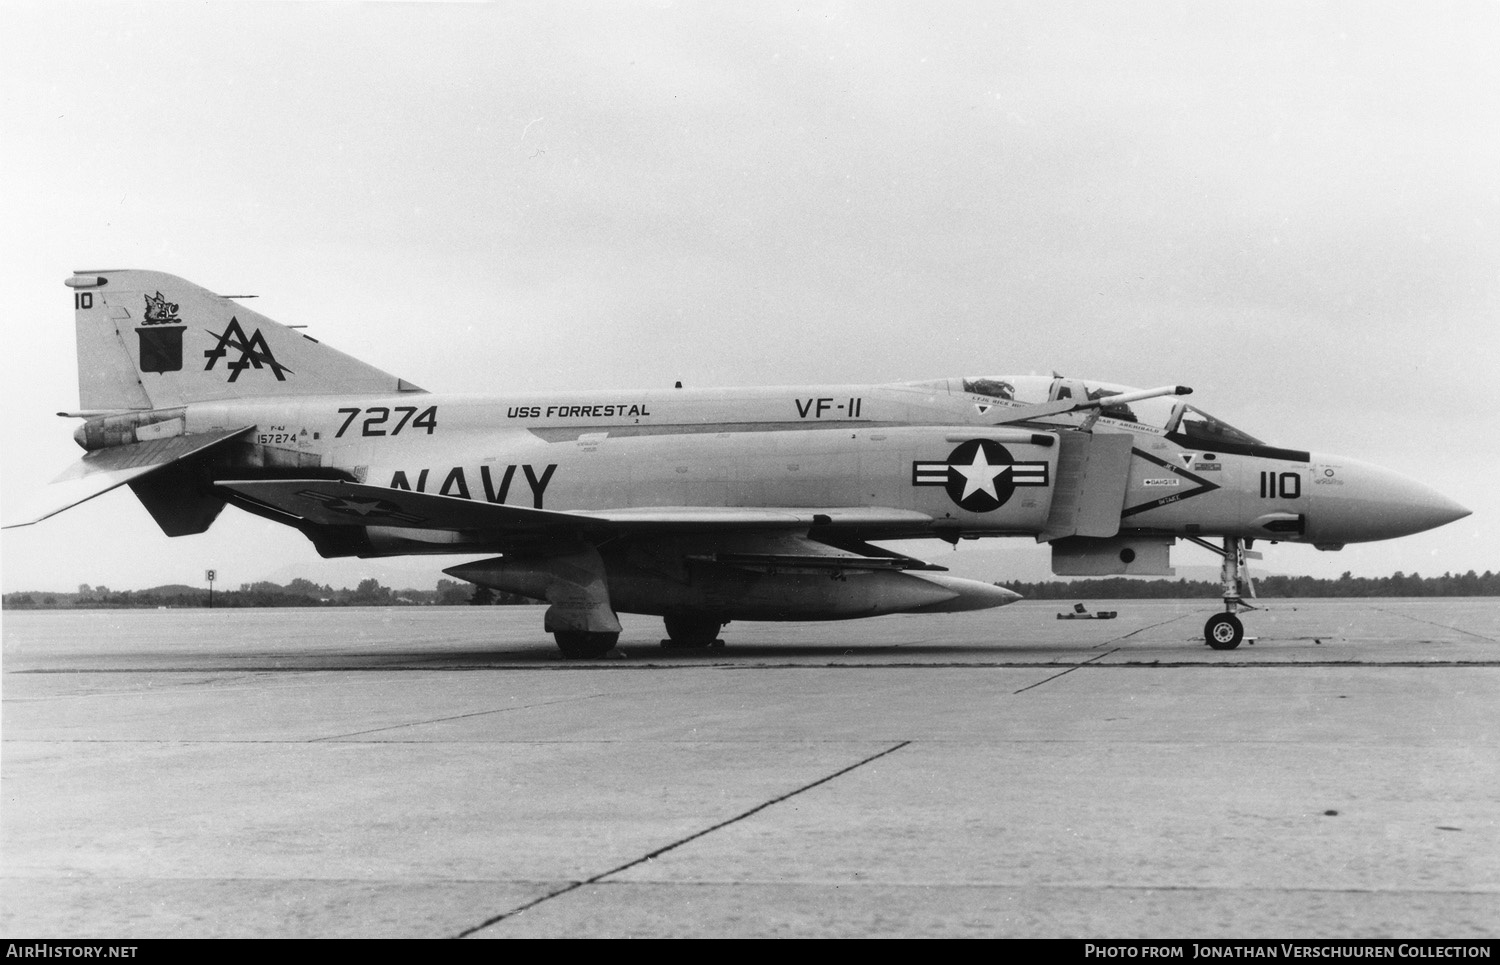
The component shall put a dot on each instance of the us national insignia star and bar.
(980, 475)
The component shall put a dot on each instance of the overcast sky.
(1293, 208)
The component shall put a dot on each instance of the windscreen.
(1202, 429)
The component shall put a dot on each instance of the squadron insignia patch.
(253, 352)
(160, 336)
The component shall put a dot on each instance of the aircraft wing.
(751, 517)
(333, 503)
(103, 470)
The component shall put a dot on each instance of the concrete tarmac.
(440, 772)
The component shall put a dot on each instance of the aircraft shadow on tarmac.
(541, 655)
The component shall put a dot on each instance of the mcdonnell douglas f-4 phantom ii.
(701, 506)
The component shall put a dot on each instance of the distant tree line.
(1398, 584)
(299, 592)
(370, 592)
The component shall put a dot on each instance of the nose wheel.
(1225, 631)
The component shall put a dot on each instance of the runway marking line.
(677, 844)
(442, 720)
(1068, 671)
(1431, 623)
(1152, 626)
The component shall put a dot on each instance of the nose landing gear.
(1224, 631)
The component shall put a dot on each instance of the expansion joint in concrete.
(573, 886)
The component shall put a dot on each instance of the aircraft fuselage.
(903, 446)
(702, 505)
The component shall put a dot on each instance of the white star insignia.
(360, 507)
(980, 475)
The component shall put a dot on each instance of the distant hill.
(298, 593)
(301, 592)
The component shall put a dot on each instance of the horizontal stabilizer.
(332, 503)
(103, 470)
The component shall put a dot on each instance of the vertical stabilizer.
(148, 340)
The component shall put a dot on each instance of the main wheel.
(1223, 631)
(583, 645)
(692, 632)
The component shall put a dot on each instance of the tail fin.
(150, 340)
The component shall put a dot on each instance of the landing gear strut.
(693, 632)
(1224, 631)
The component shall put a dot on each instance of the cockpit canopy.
(1202, 429)
(1168, 414)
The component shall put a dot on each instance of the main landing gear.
(1224, 631)
(692, 632)
(584, 644)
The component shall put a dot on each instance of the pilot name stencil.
(456, 482)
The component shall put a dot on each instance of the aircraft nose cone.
(1355, 502)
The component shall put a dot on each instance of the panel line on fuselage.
(572, 433)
